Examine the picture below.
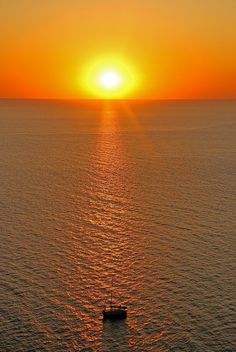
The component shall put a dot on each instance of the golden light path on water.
(118, 252)
(113, 167)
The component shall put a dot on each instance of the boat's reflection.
(115, 336)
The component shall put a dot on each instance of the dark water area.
(141, 192)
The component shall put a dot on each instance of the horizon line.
(117, 99)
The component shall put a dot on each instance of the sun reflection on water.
(108, 244)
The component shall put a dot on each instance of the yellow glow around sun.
(109, 78)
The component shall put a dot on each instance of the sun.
(109, 78)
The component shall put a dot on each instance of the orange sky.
(181, 49)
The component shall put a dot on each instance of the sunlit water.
(141, 192)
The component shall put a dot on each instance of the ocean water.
(141, 193)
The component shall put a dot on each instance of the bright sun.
(109, 78)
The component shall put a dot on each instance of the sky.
(177, 49)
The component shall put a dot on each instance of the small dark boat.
(114, 312)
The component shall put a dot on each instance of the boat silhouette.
(113, 311)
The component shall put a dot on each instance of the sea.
(136, 198)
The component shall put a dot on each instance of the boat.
(114, 312)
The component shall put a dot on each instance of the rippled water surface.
(140, 192)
